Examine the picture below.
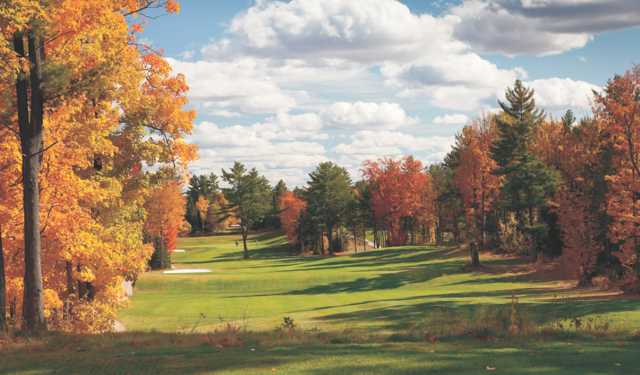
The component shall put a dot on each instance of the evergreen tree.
(249, 195)
(328, 195)
(273, 220)
(205, 186)
(528, 181)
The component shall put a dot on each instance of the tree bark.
(245, 232)
(475, 255)
(330, 235)
(31, 126)
(3, 290)
(355, 239)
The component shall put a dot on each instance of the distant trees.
(328, 195)
(291, 210)
(165, 216)
(474, 178)
(249, 196)
(401, 194)
(201, 191)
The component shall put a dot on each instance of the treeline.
(92, 158)
(517, 182)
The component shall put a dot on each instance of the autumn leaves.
(112, 150)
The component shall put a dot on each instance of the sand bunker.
(187, 270)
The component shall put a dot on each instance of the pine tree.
(249, 196)
(328, 195)
(528, 181)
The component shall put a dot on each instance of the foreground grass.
(158, 353)
(408, 310)
(383, 291)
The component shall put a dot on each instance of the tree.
(249, 196)
(399, 191)
(291, 209)
(479, 187)
(99, 107)
(328, 194)
(202, 207)
(528, 183)
(165, 215)
(619, 111)
(359, 213)
(274, 218)
(219, 216)
(201, 187)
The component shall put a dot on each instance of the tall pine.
(529, 183)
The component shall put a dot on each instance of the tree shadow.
(167, 353)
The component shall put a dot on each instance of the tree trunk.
(475, 255)
(330, 235)
(31, 126)
(355, 239)
(245, 232)
(3, 290)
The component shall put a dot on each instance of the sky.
(284, 85)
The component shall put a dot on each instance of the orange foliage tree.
(619, 111)
(400, 191)
(291, 209)
(474, 178)
(109, 107)
(165, 216)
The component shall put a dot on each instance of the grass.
(370, 313)
(158, 353)
(387, 291)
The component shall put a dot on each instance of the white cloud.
(561, 93)
(340, 79)
(272, 147)
(539, 27)
(363, 115)
(237, 85)
(393, 143)
(356, 30)
(459, 81)
(451, 119)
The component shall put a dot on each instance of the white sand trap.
(186, 270)
(179, 251)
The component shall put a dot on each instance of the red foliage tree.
(619, 111)
(291, 207)
(399, 190)
(474, 178)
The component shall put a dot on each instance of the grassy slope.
(384, 291)
(379, 292)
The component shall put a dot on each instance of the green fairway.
(408, 310)
(382, 291)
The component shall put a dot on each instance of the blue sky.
(283, 85)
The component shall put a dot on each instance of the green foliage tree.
(328, 196)
(273, 220)
(249, 195)
(359, 213)
(200, 186)
(528, 181)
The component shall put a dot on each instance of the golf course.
(403, 310)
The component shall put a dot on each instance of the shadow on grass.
(157, 353)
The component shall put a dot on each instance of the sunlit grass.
(385, 290)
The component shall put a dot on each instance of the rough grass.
(162, 353)
(408, 310)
